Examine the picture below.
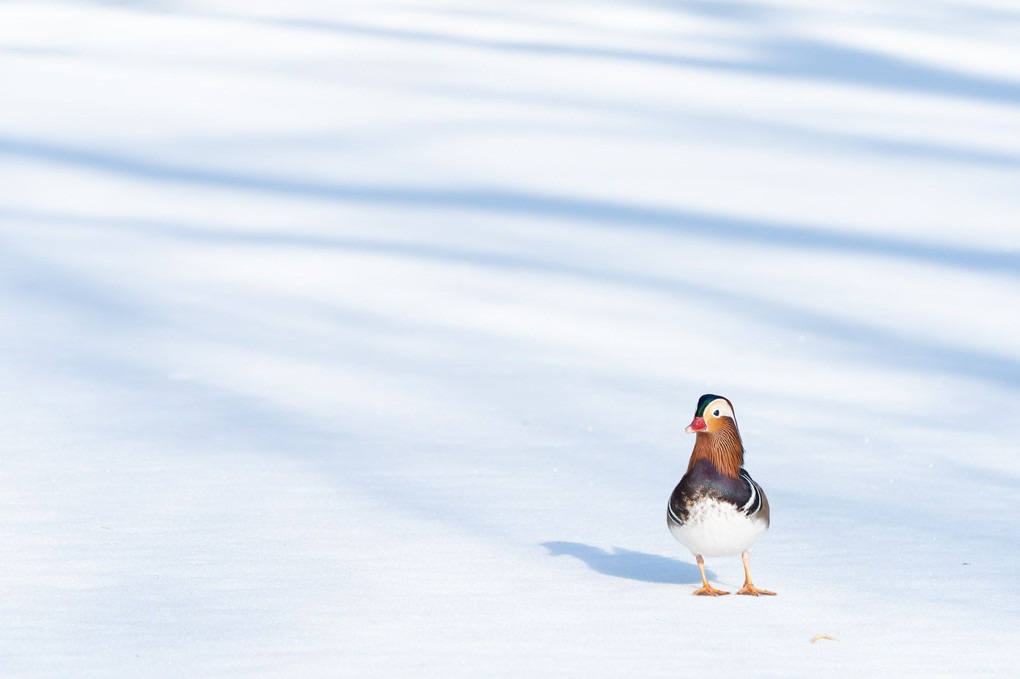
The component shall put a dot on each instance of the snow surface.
(358, 339)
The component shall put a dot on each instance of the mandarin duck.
(717, 509)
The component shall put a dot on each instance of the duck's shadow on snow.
(625, 563)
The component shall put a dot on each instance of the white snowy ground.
(358, 339)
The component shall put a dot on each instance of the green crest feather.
(703, 403)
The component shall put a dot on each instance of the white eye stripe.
(720, 408)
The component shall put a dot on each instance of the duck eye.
(715, 413)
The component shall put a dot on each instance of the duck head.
(713, 414)
(718, 439)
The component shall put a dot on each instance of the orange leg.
(707, 589)
(749, 587)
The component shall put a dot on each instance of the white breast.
(715, 528)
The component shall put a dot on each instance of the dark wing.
(676, 510)
(757, 504)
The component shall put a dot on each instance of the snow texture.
(358, 339)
